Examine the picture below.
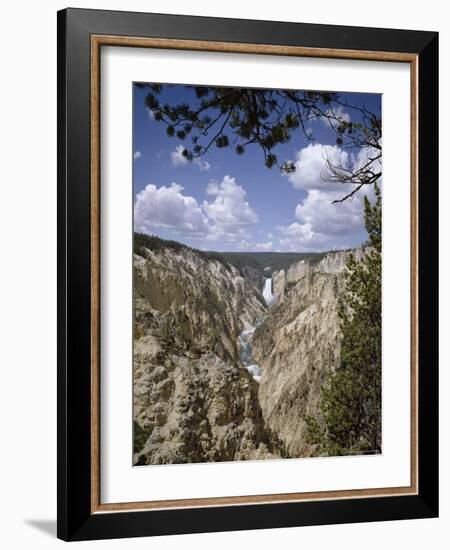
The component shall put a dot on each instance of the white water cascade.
(244, 340)
(245, 353)
(267, 291)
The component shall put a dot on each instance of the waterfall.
(267, 291)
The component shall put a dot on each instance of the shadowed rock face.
(193, 400)
(298, 344)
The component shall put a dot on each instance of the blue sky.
(224, 201)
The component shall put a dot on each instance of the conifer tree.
(349, 421)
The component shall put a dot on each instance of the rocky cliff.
(193, 400)
(197, 396)
(297, 344)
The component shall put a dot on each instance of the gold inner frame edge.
(97, 41)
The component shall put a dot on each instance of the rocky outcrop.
(205, 303)
(279, 285)
(254, 275)
(298, 344)
(333, 263)
(193, 400)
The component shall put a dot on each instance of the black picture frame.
(76, 521)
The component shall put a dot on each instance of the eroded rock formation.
(193, 400)
(297, 344)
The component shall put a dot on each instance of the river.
(245, 349)
(245, 353)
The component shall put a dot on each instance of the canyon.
(230, 355)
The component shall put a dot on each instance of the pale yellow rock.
(193, 400)
(298, 344)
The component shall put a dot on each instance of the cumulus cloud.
(310, 166)
(366, 155)
(178, 159)
(264, 246)
(227, 217)
(246, 244)
(321, 224)
(229, 211)
(299, 237)
(137, 155)
(319, 211)
(167, 207)
(338, 112)
(203, 165)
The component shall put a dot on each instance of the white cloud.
(229, 212)
(203, 165)
(339, 112)
(178, 159)
(324, 216)
(151, 114)
(310, 166)
(167, 207)
(244, 244)
(228, 217)
(264, 246)
(301, 231)
(320, 223)
(367, 155)
(299, 237)
(137, 155)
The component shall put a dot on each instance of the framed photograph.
(247, 254)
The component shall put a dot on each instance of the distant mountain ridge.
(270, 262)
(256, 265)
